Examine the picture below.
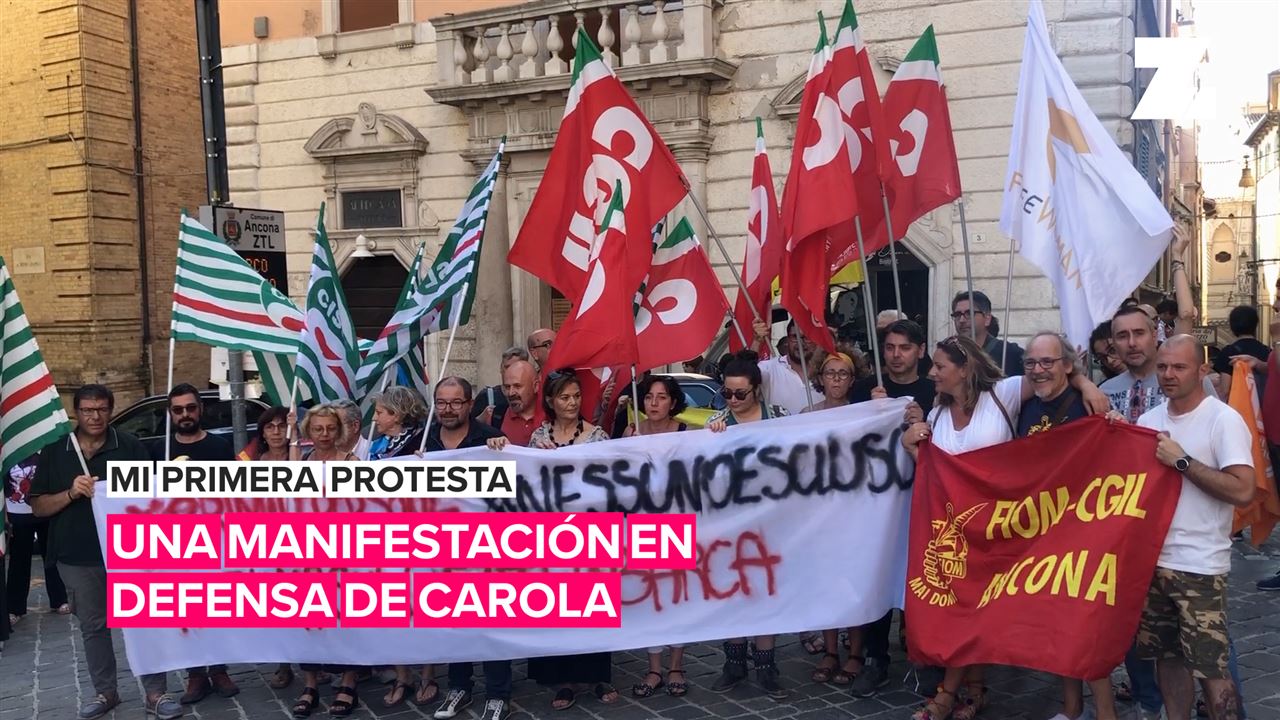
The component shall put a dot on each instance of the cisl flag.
(1081, 212)
(600, 330)
(328, 355)
(818, 198)
(603, 141)
(681, 304)
(923, 174)
(763, 258)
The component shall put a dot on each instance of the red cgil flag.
(762, 261)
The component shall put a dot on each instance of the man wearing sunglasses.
(985, 328)
(190, 441)
(539, 344)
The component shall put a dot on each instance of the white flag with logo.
(1079, 209)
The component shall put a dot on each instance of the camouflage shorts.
(1186, 618)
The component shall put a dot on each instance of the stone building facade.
(100, 146)
(389, 124)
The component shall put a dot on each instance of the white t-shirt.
(987, 426)
(785, 387)
(1199, 539)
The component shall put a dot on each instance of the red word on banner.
(662, 541)
(516, 600)
(217, 600)
(421, 540)
(163, 542)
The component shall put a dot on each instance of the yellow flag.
(850, 274)
(1262, 514)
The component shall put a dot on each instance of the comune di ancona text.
(354, 541)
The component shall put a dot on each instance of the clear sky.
(1241, 36)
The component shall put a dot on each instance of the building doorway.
(372, 286)
(850, 318)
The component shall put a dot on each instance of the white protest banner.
(801, 525)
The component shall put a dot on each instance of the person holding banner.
(1184, 624)
(663, 400)
(976, 407)
(562, 401)
(742, 392)
(62, 491)
(1049, 362)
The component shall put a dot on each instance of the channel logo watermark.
(1182, 86)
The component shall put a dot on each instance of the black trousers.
(29, 539)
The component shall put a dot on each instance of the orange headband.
(837, 356)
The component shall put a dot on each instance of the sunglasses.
(728, 394)
(953, 343)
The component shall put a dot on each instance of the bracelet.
(70, 497)
(1174, 265)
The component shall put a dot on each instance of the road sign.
(256, 235)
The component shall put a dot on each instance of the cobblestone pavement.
(42, 676)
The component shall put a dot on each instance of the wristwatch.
(1183, 463)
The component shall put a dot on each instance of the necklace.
(552, 434)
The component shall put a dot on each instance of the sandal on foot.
(643, 689)
(1123, 692)
(564, 696)
(427, 694)
(975, 699)
(343, 708)
(674, 688)
(399, 687)
(844, 676)
(281, 678)
(813, 644)
(306, 703)
(602, 690)
(936, 709)
(823, 672)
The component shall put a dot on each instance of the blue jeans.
(1146, 691)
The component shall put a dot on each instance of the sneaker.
(1270, 584)
(873, 677)
(164, 708)
(495, 709)
(198, 688)
(454, 703)
(97, 707)
(767, 679)
(731, 678)
(224, 685)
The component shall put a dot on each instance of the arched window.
(1223, 241)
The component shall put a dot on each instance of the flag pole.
(635, 398)
(168, 414)
(293, 406)
(968, 271)
(866, 301)
(444, 363)
(75, 443)
(386, 377)
(804, 365)
(893, 253)
(737, 277)
(1008, 306)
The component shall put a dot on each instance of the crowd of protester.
(974, 390)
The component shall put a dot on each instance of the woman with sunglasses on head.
(562, 401)
(741, 390)
(662, 400)
(976, 407)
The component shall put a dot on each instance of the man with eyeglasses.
(985, 328)
(784, 382)
(62, 492)
(454, 428)
(190, 441)
(539, 344)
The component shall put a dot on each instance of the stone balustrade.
(533, 44)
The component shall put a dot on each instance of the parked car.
(700, 391)
(145, 418)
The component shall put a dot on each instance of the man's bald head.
(1180, 369)
(539, 344)
(520, 385)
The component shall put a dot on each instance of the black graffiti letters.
(741, 475)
